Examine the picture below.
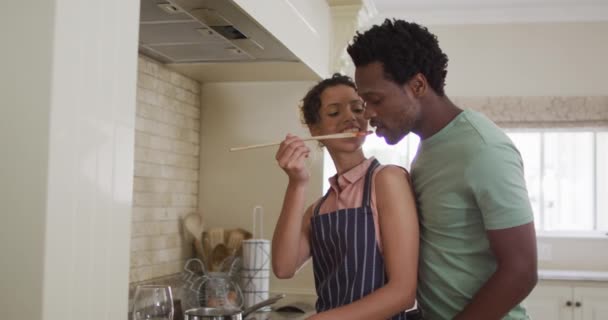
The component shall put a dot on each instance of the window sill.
(573, 275)
(599, 235)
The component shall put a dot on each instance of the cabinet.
(568, 301)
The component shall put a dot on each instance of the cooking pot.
(205, 313)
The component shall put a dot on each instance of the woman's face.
(341, 111)
(392, 109)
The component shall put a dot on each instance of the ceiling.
(492, 11)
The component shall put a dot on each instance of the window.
(566, 174)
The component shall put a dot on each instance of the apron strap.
(318, 207)
(367, 189)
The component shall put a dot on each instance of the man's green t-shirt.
(468, 179)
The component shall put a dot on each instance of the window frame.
(595, 233)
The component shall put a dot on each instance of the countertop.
(573, 275)
(304, 301)
(272, 315)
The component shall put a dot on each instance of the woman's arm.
(292, 229)
(398, 221)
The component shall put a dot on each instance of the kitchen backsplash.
(165, 186)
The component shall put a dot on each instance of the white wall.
(567, 59)
(237, 114)
(66, 131)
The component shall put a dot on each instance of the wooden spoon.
(193, 224)
(216, 236)
(218, 255)
(235, 240)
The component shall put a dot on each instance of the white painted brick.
(141, 199)
(146, 81)
(180, 173)
(147, 66)
(180, 212)
(142, 109)
(194, 125)
(157, 128)
(137, 215)
(137, 274)
(142, 139)
(182, 161)
(147, 155)
(147, 170)
(176, 79)
(186, 148)
(177, 266)
(146, 213)
(182, 200)
(161, 143)
(162, 269)
(188, 110)
(169, 227)
(166, 214)
(134, 275)
(167, 90)
(153, 185)
(164, 74)
(145, 228)
(162, 256)
(185, 83)
(147, 96)
(160, 213)
(193, 86)
(165, 186)
(189, 135)
(150, 170)
(141, 258)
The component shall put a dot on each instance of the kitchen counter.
(304, 301)
(273, 315)
(573, 275)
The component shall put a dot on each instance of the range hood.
(196, 31)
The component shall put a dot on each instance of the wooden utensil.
(218, 255)
(235, 238)
(325, 137)
(194, 225)
(216, 236)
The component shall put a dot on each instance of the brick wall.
(165, 186)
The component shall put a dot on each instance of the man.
(477, 238)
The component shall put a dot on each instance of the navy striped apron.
(347, 262)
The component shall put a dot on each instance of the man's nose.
(368, 113)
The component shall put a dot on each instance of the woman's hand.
(290, 242)
(291, 158)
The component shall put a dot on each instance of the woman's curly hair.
(311, 103)
(404, 49)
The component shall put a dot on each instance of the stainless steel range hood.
(194, 31)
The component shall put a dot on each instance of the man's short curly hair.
(311, 103)
(404, 49)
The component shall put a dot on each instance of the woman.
(363, 234)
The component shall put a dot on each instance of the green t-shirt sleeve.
(496, 178)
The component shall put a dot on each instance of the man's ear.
(418, 85)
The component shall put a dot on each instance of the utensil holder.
(255, 275)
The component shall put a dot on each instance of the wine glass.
(153, 302)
